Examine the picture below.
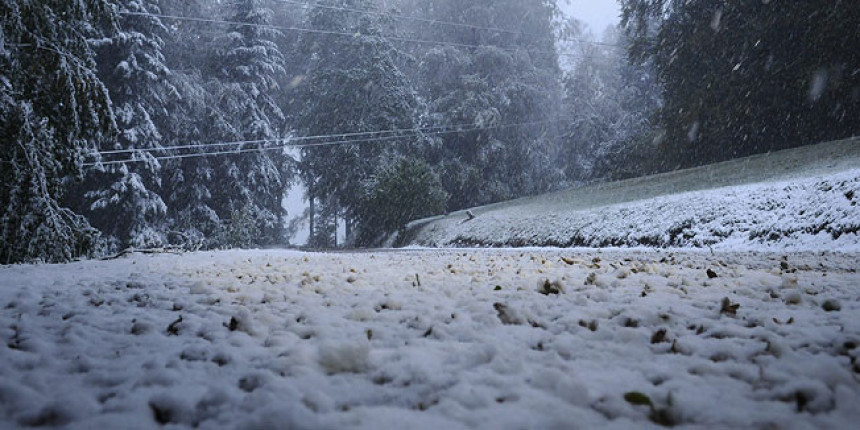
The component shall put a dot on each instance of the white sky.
(598, 14)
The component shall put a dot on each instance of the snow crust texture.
(434, 339)
(812, 213)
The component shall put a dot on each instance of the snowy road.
(434, 339)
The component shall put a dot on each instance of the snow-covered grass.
(501, 339)
(801, 199)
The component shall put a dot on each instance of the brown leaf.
(729, 308)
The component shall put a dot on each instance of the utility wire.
(434, 21)
(331, 143)
(292, 139)
(296, 29)
(337, 33)
(308, 145)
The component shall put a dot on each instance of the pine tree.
(227, 86)
(54, 111)
(353, 85)
(252, 184)
(608, 103)
(123, 198)
(749, 77)
(508, 86)
(188, 182)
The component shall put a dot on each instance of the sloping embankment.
(804, 198)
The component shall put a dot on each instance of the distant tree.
(504, 93)
(352, 85)
(188, 183)
(227, 90)
(325, 224)
(54, 112)
(749, 77)
(609, 104)
(405, 190)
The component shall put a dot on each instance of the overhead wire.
(306, 145)
(292, 139)
(436, 21)
(338, 33)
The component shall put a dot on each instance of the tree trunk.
(348, 236)
(312, 218)
(334, 216)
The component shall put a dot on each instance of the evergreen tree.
(325, 225)
(404, 190)
(749, 77)
(188, 182)
(254, 183)
(123, 198)
(510, 77)
(226, 91)
(609, 103)
(54, 111)
(353, 85)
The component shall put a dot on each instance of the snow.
(427, 339)
(817, 213)
(801, 199)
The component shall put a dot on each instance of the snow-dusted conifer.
(505, 85)
(601, 123)
(53, 112)
(123, 198)
(248, 188)
(353, 85)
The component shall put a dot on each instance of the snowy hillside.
(802, 199)
(495, 339)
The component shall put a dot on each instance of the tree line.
(147, 123)
(747, 77)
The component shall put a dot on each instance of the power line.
(435, 21)
(296, 29)
(332, 143)
(307, 145)
(293, 139)
(336, 33)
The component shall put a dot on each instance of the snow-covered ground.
(800, 199)
(434, 339)
(818, 213)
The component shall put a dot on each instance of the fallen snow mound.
(495, 339)
(802, 199)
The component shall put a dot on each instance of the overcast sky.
(598, 14)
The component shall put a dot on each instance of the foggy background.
(597, 15)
